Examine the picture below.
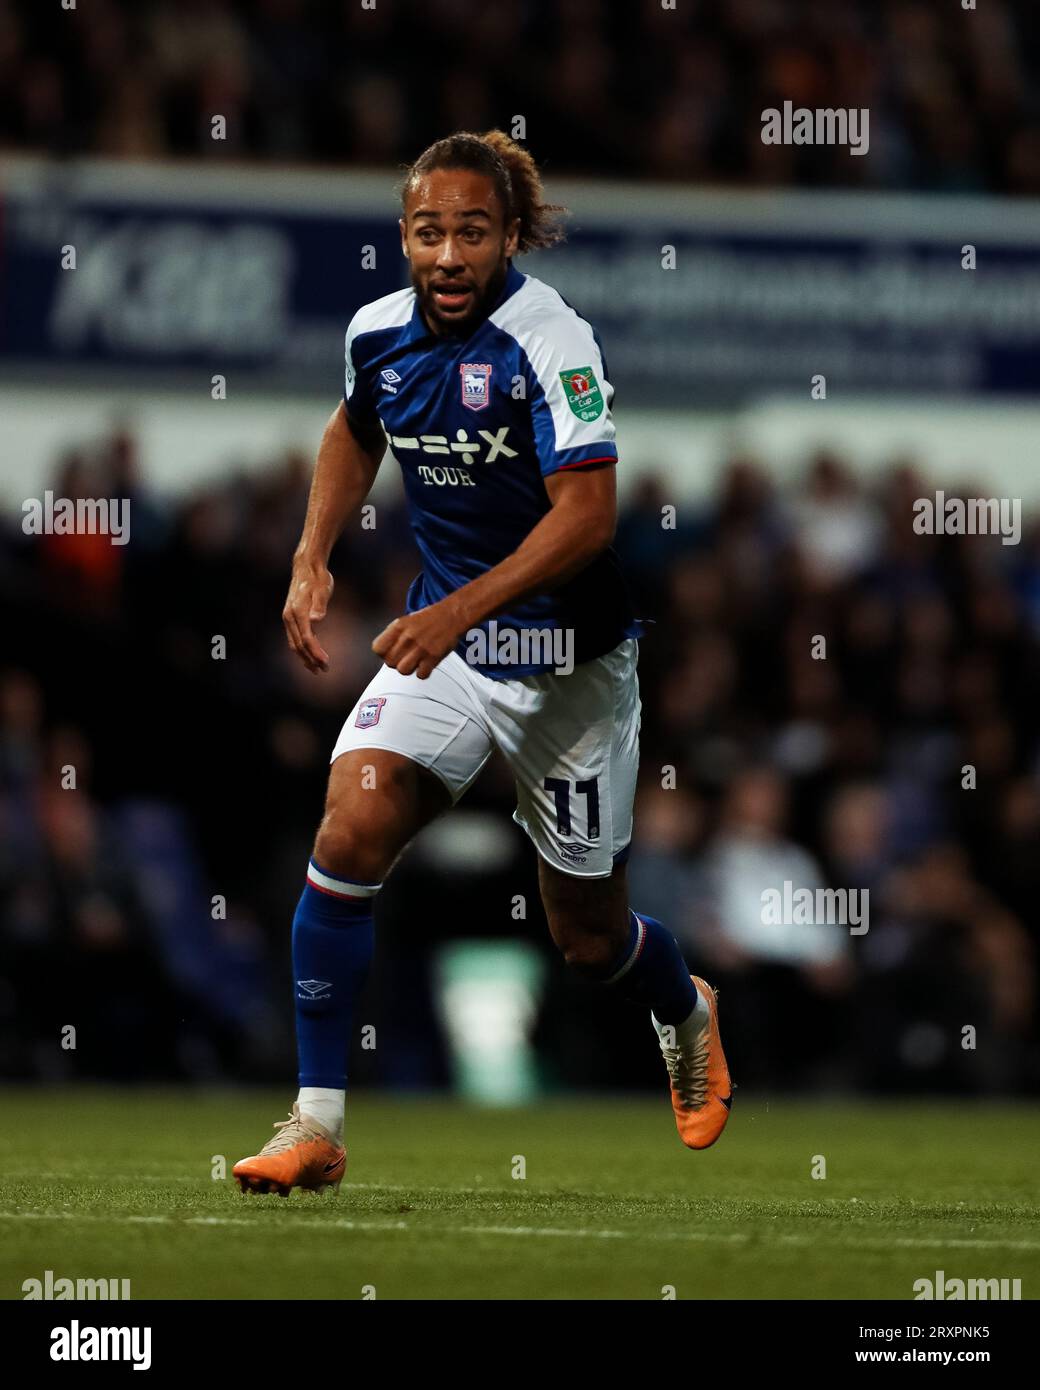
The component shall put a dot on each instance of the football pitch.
(571, 1198)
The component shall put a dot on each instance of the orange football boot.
(701, 1088)
(303, 1154)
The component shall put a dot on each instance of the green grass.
(98, 1183)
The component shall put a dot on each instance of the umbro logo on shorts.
(574, 852)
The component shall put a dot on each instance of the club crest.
(369, 712)
(476, 384)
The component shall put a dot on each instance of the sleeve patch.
(582, 392)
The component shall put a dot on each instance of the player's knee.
(349, 853)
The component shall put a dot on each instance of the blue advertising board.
(698, 298)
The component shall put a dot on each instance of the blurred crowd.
(829, 699)
(899, 755)
(636, 90)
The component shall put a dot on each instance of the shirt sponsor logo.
(582, 392)
(460, 450)
(476, 384)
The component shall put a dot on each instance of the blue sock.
(332, 943)
(651, 970)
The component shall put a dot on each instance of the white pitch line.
(576, 1233)
(96, 1177)
(483, 1191)
(206, 1180)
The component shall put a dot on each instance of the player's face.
(457, 247)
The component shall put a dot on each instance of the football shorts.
(571, 741)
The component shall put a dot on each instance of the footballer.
(491, 393)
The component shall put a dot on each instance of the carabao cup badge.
(582, 392)
(476, 384)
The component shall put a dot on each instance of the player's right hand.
(309, 594)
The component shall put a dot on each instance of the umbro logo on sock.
(314, 989)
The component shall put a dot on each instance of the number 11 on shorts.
(561, 792)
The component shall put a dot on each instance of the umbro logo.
(389, 380)
(577, 853)
(315, 989)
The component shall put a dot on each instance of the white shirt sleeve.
(357, 393)
(570, 396)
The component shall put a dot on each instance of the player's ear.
(404, 237)
(513, 237)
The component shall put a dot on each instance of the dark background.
(198, 777)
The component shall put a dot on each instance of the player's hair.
(512, 171)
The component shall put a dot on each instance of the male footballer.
(492, 394)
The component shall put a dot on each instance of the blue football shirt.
(476, 424)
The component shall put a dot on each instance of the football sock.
(684, 1033)
(324, 1104)
(332, 942)
(651, 970)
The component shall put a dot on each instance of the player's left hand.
(418, 642)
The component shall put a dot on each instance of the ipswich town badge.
(476, 384)
(369, 712)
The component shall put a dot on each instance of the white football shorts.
(572, 742)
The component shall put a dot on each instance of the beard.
(455, 326)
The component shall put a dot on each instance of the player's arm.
(343, 476)
(579, 524)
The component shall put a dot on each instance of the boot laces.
(688, 1070)
(292, 1132)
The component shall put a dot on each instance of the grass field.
(117, 1185)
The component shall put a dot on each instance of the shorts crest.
(369, 712)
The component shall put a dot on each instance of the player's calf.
(588, 917)
(648, 968)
